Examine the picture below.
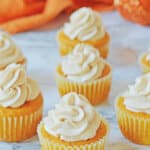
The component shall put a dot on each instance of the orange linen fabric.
(21, 15)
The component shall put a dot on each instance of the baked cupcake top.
(9, 52)
(137, 98)
(73, 119)
(85, 24)
(15, 87)
(83, 64)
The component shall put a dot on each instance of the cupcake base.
(49, 142)
(96, 91)
(18, 124)
(66, 45)
(134, 126)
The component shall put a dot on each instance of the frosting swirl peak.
(73, 119)
(15, 87)
(85, 24)
(9, 52)
(12, 76)
(83, 64)
(137, 98)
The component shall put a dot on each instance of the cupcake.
(73, 125)
(145, 62)
(133, 111)
(83, 71)
(21, 104)
(85, 26)
(9, 52)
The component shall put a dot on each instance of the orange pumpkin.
(134, 10)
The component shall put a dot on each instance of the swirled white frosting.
(33, 89)
(15, 87)
(12, 76)
(137, 98)
(85, 24)
(9, 52)
(148, 57)
(73, 119)
(83, 64)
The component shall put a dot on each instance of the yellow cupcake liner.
(145, 68)
(66, 45)
(21, 127)
(48, 144)
(135, 128)
(96, 91)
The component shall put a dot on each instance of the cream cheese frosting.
(137, 98)
(85, 24)
(15, 87)
(148, 57)
(9, 52)
(12, 76)
(83, 64)
(73, 119)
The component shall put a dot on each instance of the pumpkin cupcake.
(20, 104)
(145, 62)
(133, 111)
(86, 27)
(73, 125)
(83, 71)
(9, 52)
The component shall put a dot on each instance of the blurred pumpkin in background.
(134, 10)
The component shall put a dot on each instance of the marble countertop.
(128, 41)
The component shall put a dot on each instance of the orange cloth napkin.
(21, 15)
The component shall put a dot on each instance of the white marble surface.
(127, 42)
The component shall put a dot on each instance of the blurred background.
(22, 15)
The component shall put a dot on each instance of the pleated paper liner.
(134, 126)
(144, 64)
(96, 91)
(66, 45)
(18, 124)
(49, 142)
